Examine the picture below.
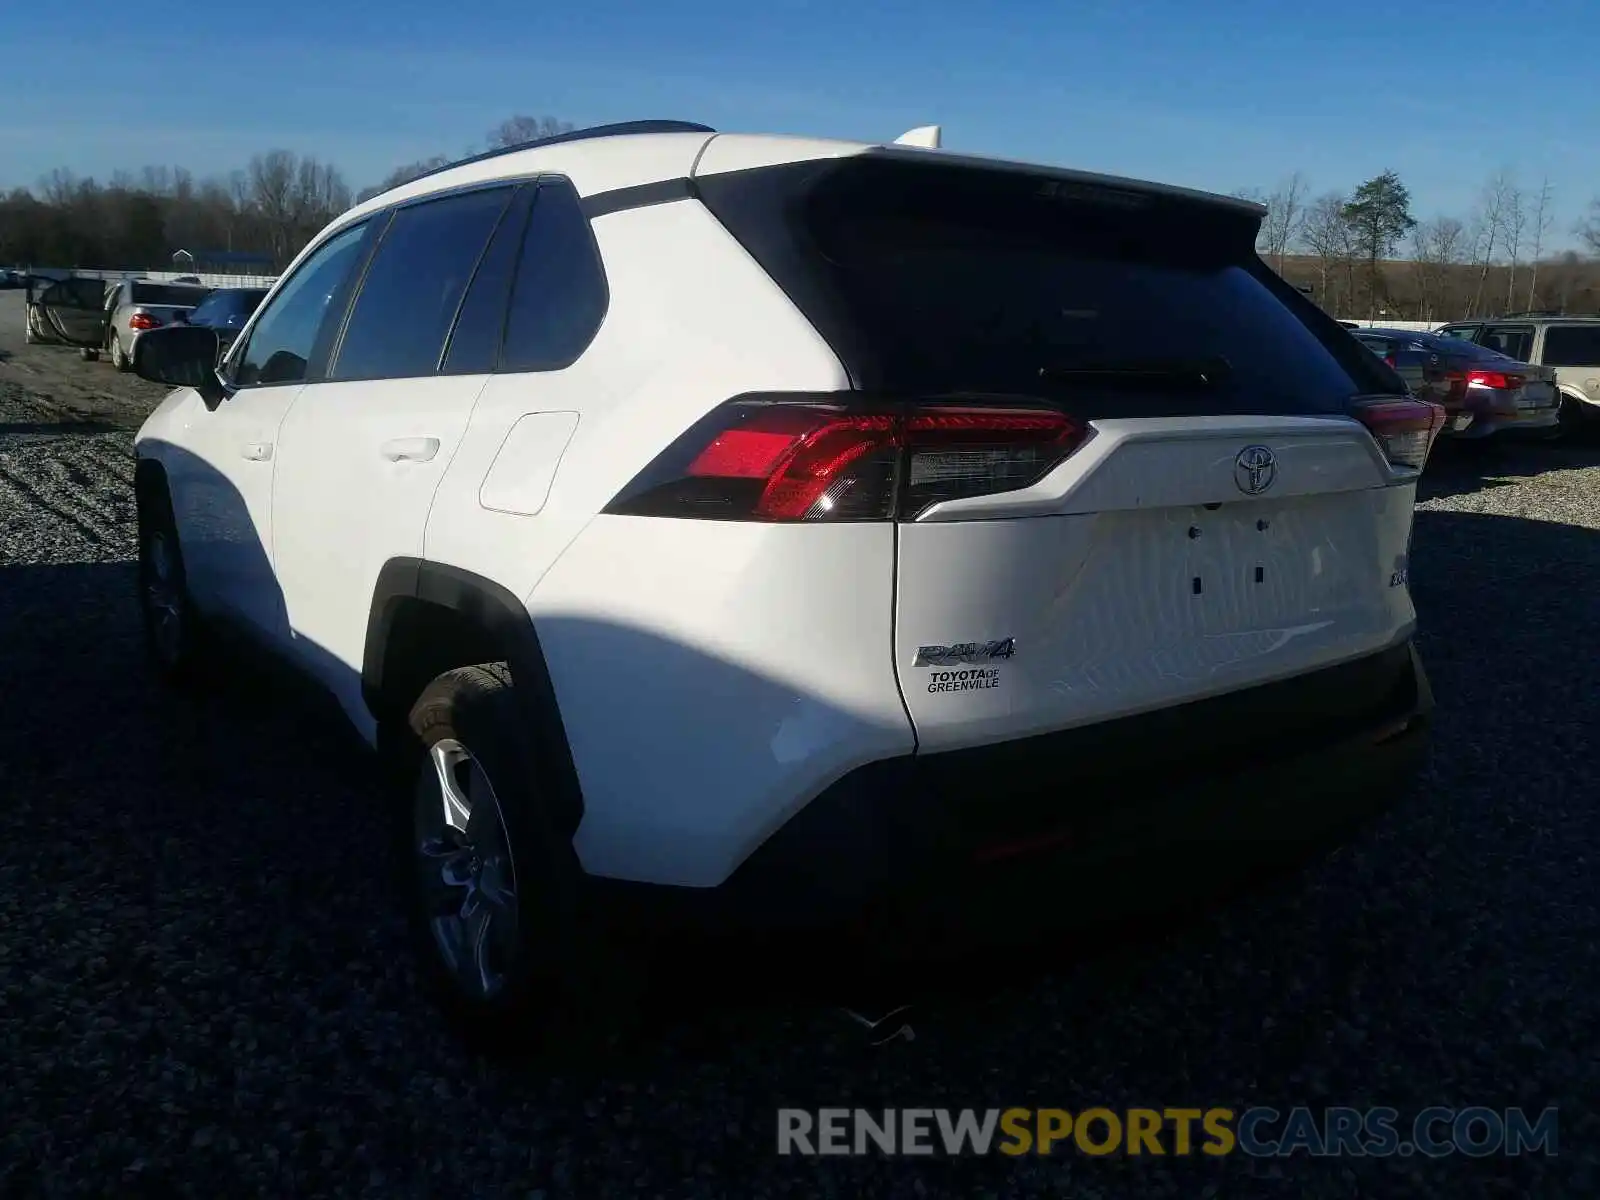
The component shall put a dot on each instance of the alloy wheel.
(466, 870)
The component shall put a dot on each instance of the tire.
(1570, 420)
(89, 355)
(504, 863)
(118, 359)
(174, 637)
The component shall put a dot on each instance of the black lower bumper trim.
(1259, 770)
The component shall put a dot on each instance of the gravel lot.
(203, 992)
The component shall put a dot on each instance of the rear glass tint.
(954, 279)
(176, 295)
(1572, 346)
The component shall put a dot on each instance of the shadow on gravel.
(212, 861)
(57, 428)
(1460, 468)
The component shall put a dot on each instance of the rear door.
(1573, 351)
(362, 451)
(1217, 518)
(72, 311)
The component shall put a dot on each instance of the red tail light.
(1493, 379)
(143, 321)
(1388, 360)
(786, 459)
(1404, 428)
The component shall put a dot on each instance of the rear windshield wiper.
(1143, 374)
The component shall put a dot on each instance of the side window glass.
(1572, 346)
(475, 342)
(410, 294)
(1514, 341)
(279, 347)
(560, 296)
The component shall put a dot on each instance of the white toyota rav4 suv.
(775, 530)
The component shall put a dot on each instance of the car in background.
(225, 310)
(1568, 345)
(10, 278)
(138, 305)
(1483, 391)
(68, 312)
(82, 312)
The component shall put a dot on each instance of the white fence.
(209, 278)
(1415, 326)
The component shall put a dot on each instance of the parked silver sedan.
(137, 305)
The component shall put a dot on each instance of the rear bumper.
(1072, 818)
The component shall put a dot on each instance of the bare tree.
(1588, 229)
(1437, 248)
(405, 174)
(1515, 224)
(1286, 213)
(514, 131)
(1543, 218)
(1326, 234)
(1489, 222)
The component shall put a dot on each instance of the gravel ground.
(203, 992)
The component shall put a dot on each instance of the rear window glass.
(1460, 348)
(176, 295)
(1572, 346)
(998, 281)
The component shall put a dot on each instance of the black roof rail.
(620, 129)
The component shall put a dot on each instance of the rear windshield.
(941, 279)
(175, 294)
(1460, 348)
(1572, 346)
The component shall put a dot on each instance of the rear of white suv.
(1141, 516)
(810, 528)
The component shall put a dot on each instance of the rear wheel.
(118, 359)
(1569, 421)
(491, 886)
(172, 628)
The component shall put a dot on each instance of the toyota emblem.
(1254, 469)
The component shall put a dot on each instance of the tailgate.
(1141, 574)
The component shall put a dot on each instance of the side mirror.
(181, 356)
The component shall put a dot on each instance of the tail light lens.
(1493, 379)
(1404, 428)
(143, 321)
(792, 459)
(1388, 360)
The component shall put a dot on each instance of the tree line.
(136, 221)
(1363, 253)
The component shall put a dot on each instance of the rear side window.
(475, 342)
(941, 279)
(1461, 332)
(559, 297)
(1572, 346)
(175, 295)
(409, 296)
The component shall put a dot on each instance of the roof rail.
(620, 129)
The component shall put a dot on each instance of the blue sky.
(1219, 95)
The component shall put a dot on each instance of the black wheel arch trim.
(503, 617)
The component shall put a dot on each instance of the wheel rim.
(468, 877)
(116, 351)
(163, 594)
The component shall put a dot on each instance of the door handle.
(257, 451)
(417, 449)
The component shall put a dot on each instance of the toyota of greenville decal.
(971, 662)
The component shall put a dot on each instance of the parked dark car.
(226, 310)
(1483, 391)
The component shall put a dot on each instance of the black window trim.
(509, 185)
(520, 208)
(555, 182)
